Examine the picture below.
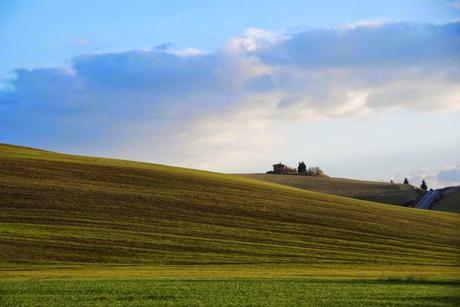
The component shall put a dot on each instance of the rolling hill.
(383, 192)
(66, 210)
(449, 201)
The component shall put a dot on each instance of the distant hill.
(449, 201)
(389, 193)
(66, 210)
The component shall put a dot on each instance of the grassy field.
(122, 228)
(227, 292)
(383, 192)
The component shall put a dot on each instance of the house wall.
(279, 168)
(283, 169)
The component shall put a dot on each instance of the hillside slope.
(449, 201)
(63, 210)
(389, 193)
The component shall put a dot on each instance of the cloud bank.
(206, 110)
(437, 178)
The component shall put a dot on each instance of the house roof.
(279, 164)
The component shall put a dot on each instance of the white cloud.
(416, 91)
(436, 178)
(219, 139)
(253, 39)
(375, 23)
(241, 134)
(187, 52)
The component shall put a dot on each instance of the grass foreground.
(227, 292)
(114, 232)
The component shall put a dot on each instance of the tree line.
(310, 171)
(423, 186)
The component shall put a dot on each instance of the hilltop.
(383, 192)
(66, 210)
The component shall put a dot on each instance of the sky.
(366, 89)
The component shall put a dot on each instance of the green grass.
(122, 232)
(383, 192)
(227, 292)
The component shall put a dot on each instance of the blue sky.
(235, 85)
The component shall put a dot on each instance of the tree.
(302, 168)
(406, 181)
(315, 171)
(423, 186)
(391, 181)
(318, 171)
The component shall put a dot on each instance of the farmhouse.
(280, 168)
